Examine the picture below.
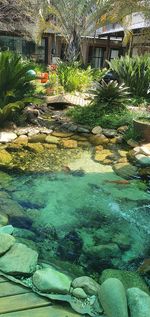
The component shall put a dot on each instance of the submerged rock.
(112, 296)
(3, 220)
(6, 242)
(98, 139)
(19, 260)
(79, 293)
(20, 222)
(35, 147)
(104, 251)
(128, 279)
(37, 138)
(7, 229)
(5, 157)
(139, 302)
(52, 139)
(142, 159)
(89, 286)
(70, 247)
(125, 170)
(70, 144)
(51, 280)
(101, 155)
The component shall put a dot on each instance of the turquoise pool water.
(82, 218)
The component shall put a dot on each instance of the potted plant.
(142, 125)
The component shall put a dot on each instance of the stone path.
(19, 301)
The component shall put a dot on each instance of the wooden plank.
(51, 311)
(8, 289)
(21, 302)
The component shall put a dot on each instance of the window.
(114, 53)
(96, 56)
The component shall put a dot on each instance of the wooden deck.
(19, 301)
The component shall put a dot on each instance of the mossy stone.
(128, 279)
(37, 138)
(5, 157)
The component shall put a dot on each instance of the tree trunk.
(73, 48)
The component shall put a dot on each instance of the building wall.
(25, 48)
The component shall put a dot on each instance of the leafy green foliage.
(73, 78)
(108, 108)
(111, 95)
(14, 82)
(93, 115)
(140, 101)
(8, 112)
(134, 72)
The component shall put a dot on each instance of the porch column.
(49, 49)
(107, 54)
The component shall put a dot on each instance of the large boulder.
(103, 251)
(139, 302)
(142, 160)
(6, 242)
(7, 229)
(89, 286)
(112, 297)
(125, 170)
(6, 137)
(51, 280)
(128, 279)
(19, 260)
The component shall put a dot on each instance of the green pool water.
(81, 218)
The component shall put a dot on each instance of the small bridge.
(19, 301)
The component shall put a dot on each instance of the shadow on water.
(87, 219)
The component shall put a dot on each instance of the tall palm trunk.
(73, 47)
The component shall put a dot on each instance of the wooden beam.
(21, 302)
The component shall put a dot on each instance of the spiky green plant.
(111, 96)
(14, 82)
(134, 72)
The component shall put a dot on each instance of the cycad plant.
(134, 72)
(14, 82)
(112, 96)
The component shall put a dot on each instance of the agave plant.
(134, 72)
(111, 96)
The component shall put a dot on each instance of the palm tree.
(75, 19)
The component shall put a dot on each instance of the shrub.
(73, 78)
(134, 72)
(92, 115)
